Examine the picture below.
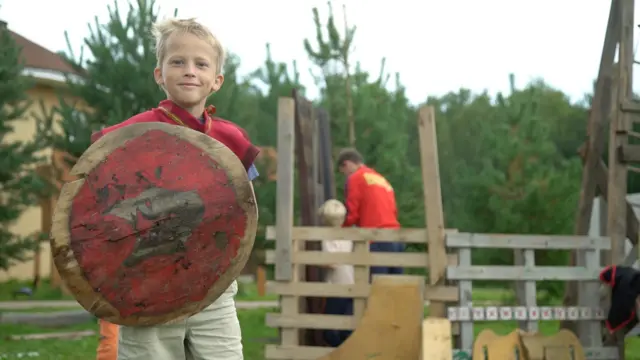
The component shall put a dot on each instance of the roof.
(38, 57)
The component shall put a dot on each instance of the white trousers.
(212, 334)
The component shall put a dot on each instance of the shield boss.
(160, 222)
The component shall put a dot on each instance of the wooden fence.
(588, 312)
(291, 319)
(291, 257)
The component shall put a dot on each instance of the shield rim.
(66, 263)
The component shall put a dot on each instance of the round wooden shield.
(160, 222)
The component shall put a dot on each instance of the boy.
(190, 60)
(332, 213)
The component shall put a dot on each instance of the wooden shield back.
(159, 224)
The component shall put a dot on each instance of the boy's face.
(188, 72)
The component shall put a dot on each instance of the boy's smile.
(188, 72)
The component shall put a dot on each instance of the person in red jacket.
(370, 202)
(190, 60)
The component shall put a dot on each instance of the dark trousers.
(337, 306)
(386, 247)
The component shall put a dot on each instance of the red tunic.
(228, 133)
(370, 200)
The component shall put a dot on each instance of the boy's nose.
(191, 70)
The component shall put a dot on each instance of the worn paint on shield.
(154, 231)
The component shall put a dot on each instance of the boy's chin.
(187, 103)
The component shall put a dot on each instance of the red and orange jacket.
(370, 200)
(228, 133)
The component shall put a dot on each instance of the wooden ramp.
(390, 328)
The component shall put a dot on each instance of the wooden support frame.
(619, 128)
(434, 212)
(588, 315)
(292, 254)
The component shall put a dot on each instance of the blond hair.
(163, 29)
(332, 213)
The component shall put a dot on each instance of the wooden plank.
(284, 189)
(629, 153)
(529, 292)
(630, 106)
(328, 178)
(593, 148)
(618, 136)
(69, 335)
(47, 319)
(521, 273)
(533, 242)
(361, 272)
(434, 214)
(308, 194)
(406, 235)
(437, 293)
(408, 260)
(465, 289)
(633, 225)
(590, 333)
(506, 313)
(312, 321)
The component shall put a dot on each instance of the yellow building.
(48, 70)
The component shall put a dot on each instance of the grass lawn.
(255, 336)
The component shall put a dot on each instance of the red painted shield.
(160, 223)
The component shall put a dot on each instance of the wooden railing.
(290, 319)
(529, 313)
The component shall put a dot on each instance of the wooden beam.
(629, 153)
(630, 106)
(284, 189)
(600, 108)
(73, 335)
(406, 235)
(432, 201)
(618, 137)
(521, 273)
(602, 182)
(593, 149)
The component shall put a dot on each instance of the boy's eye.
(176, 62)
(203, 64)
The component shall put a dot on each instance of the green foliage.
(116, 81)
(20, 184)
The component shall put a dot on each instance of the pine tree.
(20, 185)
(381, 119)
(117, 80)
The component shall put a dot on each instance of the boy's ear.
(157, 75)
(217, 83)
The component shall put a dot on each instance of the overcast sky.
(436, 46)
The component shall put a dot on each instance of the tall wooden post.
(618, 139)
